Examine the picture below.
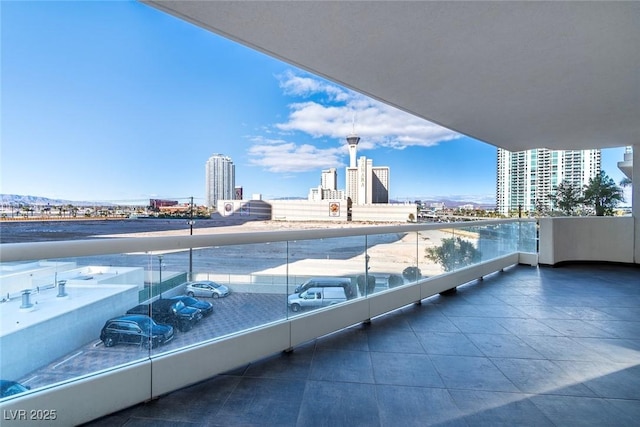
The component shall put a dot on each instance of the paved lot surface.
(234, 313)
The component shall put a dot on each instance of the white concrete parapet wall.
(593, 238)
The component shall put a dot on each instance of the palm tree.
(625, 182)
(541, 209)
(603, 194)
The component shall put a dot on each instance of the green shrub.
(370, 284)
(412, 274)
(395, 280)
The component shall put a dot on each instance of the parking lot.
(237, 312)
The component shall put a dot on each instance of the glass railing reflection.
(55, 313)
(391, 261)
(62, 319)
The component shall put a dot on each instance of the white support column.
(635, 200)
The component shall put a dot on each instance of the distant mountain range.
(16, 199)
(453, 201)
(486, 202)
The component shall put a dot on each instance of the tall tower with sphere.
(352, 140)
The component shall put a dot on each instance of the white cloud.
(306, 86)
(337, 112)
(326, 111)
(280, 156)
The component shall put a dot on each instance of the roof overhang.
(518, 75)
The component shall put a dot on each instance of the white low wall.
(94, 396)
(593, 238)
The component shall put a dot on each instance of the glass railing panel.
(391, 261)
(324, 263)
(528, 237)
(54, 317)
(506, 238)
(54, 313)
(484, 243)
(433, 255)
(475, 244)
(232, 289)
(449, 249)
(67, 318)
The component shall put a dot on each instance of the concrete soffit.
(517, 75)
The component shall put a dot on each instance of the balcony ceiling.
(518, 75)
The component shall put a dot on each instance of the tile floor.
(524, 347)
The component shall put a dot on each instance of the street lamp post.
(160, 269)
(191, 234)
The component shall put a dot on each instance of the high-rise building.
(329, 179)
(380, 184)
(526, 178)
(220, 179)
(367, 184)
(328, 188)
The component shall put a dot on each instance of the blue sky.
(116, 101)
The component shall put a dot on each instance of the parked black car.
(205, 307)
(170, 312)
(135, 329)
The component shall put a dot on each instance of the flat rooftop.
(527, 346)
(84, 286)
(46, 304)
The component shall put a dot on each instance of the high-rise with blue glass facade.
(220, 179)
(526, 178)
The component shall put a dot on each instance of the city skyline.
(526, 178)
(115, 101)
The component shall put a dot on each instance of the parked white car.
(206, 288)
(315, 298)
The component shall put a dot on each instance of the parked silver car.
(206, 288)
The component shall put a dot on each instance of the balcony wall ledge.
(579, 239)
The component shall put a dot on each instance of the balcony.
(526, 346)
(400, 316)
